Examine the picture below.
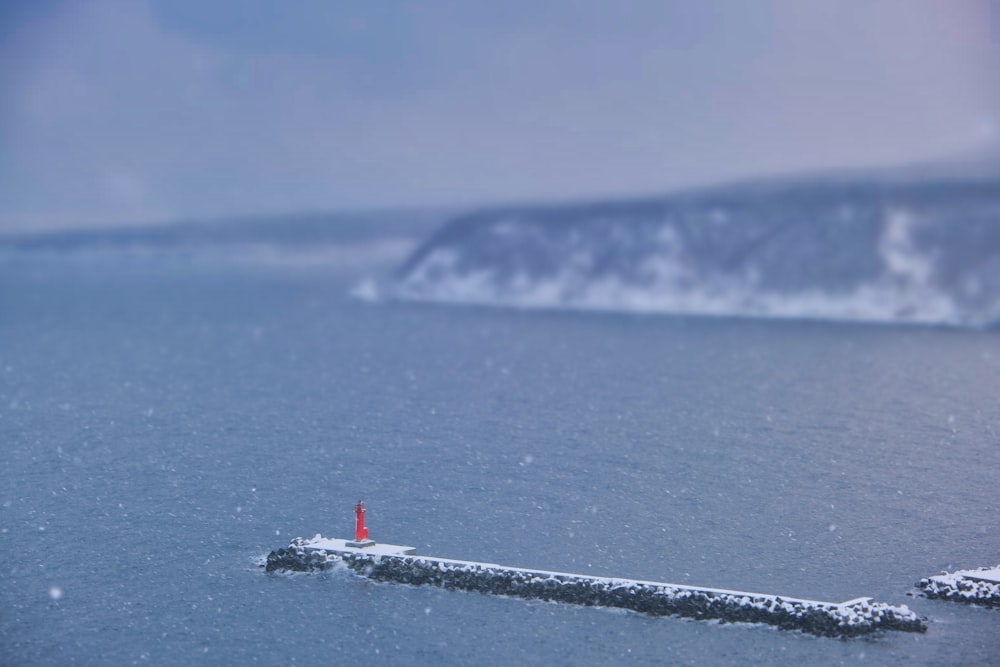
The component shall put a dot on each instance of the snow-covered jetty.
(981, 586)
(386, 562)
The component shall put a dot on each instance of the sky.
(140, 111)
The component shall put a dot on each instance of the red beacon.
(360, 532)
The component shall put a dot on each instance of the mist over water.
(135, 111)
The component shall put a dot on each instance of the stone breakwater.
(980, 586)
(856, 617)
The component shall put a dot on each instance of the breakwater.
(980, 586)
(856, 617)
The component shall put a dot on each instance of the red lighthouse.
(360, 532)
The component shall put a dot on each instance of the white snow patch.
(366, 291)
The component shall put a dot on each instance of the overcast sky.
(130, 111)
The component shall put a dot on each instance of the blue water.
(165, 426)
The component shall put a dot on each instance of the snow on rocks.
(854, 617)
(296, 559)
(980, 586)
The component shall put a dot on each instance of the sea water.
(165, 425)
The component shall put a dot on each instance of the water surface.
(165, 426)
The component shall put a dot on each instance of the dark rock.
(829, 620)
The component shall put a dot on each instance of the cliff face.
(921, 252)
